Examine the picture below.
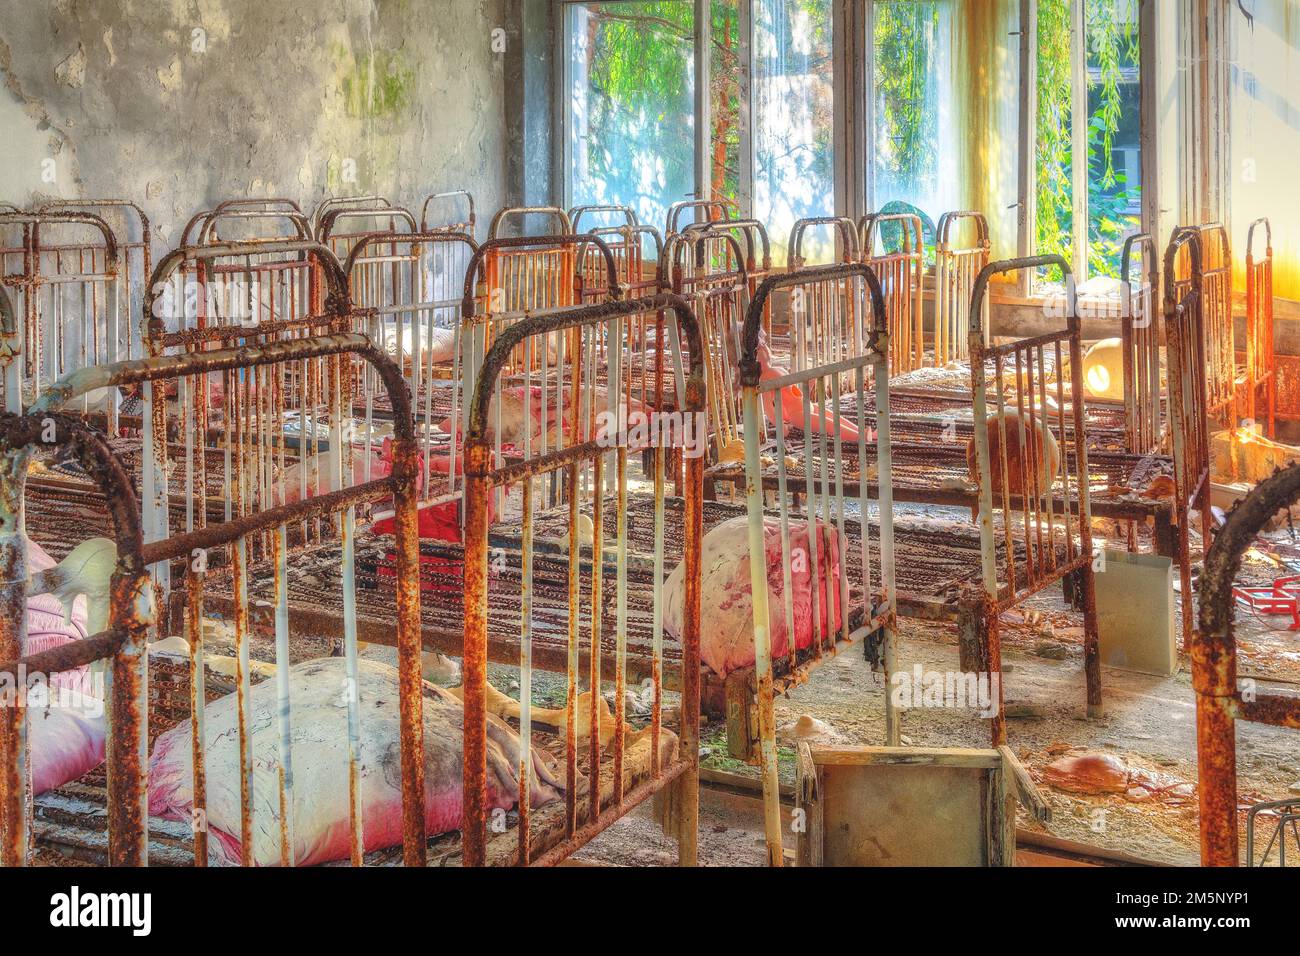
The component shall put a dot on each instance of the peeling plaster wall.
(177, 104)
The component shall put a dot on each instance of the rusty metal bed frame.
(1144, 416)
(341, 224)
(1027, 541)
(902, 276)
(331, 203)
(507, 280)
(867, 366)
(131, 606)
(414, 282)
(405, 274)
(282, 218)
(1187, 336)
(1126, 473)
(554, 836)
(819, 331)
(845, 240)
(121, 645)
(271, 279)
(955, 269)
(626, 240)
(580, 451)
(712, 210)
(68, 279)
(707, 268)
(758, 252)
(1043, 564)
(1220, 700)
(1261, 358)
(134, 240)
(1213, 272)
(465, 223)
(649, 382)
(179, 320)
(1121, 427)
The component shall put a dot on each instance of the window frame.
(841, 19)
(1026, 198)
(853, 120)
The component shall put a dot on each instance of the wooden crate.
(909, 806)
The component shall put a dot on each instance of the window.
(725, 90)
(942, 97)
(1265, 81)
(1110, 68)
(631, 112)
(913, 146)
(944, 77)
(793, 115)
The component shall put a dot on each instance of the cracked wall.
(178, 104)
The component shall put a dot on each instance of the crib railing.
(707, 268)
(65, 276)
(1261, 359)
(955, 268)
(1036, 510)
(1140, 338)
(1190, 398)
(585, 436)
(817, 391)
(121, 646)
(132, 598)
(901, 271)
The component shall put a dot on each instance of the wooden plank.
(1029, 795)
(742, 714)
(885, 756)
(1000, 815)
(808, 810)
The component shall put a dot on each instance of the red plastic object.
(1281, 597)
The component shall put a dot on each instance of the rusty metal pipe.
(129, 617)
(1219, 701)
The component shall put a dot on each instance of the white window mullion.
(1027, 218)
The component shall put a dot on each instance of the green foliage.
(640, 80)
(639, 87)
(1112, 46)
(904, 73)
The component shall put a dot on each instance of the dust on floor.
(1149, 722)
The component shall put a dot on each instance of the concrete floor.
(1148, 722)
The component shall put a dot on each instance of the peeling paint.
(71, 71)
(170, 78)
(283, 97)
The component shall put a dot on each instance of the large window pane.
(1265, 140)
(1114, 132)
(915, 137)
(793, 118)
(1114, 157)
(631, 112)
(1054, 209)
(724, 101)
